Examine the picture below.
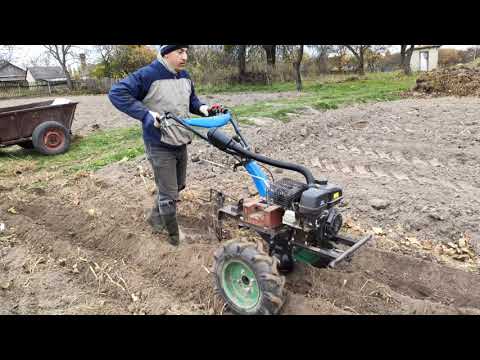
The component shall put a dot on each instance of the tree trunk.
(241, 62)
(406, 66)
(361, 62)
(403, 49)
(108, 70)
(69, 79)
(359, 54)
(405, 58)
(322, 65)
(270, 51)
(296, 66)
(269, 74)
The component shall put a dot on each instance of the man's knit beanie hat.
(165, 49)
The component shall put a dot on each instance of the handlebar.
(210, 122)
(230, 146)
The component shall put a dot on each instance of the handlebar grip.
(209, 122)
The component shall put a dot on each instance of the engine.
(310, 210)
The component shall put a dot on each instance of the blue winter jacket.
(157, 88)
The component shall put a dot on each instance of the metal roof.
(47, 72)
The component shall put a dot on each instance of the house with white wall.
(424, 58)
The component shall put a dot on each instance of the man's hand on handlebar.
(216, 109)
(157, 118)
(213, 110)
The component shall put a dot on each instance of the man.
(163, 86)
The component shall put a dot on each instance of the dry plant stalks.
(382, 294)
(144, 176)
(351, 309)
(218, 306)
(366, 282)
(107, 272)
(140, 172)
(31, 268)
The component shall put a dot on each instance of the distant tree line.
(246, 63)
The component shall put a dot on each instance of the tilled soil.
(82, 246)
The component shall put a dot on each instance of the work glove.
(204, 110)
(156, 118)
(213, 110)
(216, 109)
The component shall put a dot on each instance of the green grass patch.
(331, 95)
(228, 88)
(324, 105)
(89, 153)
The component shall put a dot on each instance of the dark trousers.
(170, 171)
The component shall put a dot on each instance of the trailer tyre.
(51, 138)
(247, 279)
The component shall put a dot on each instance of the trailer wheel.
(26, 145)
(248, 279)
(51, 138)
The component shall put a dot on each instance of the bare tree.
(322, 53)
(271, 54)
(340, 58)
(476, 52)
(374, 56)
(294, 54)
(6, 52)
(62, 54)
(107, 55)
(239, 54)
(297, 62)
(359, 52)
(242, 55)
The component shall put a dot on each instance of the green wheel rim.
(240, 284)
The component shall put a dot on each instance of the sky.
(24, 54)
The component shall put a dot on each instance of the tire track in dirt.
(391, 172)
(392, 175)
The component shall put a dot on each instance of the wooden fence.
(88, 86)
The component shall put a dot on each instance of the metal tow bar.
(350, 251)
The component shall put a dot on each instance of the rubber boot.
(166, 224)
(171, 225)
(156, 221)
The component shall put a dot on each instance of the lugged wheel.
(248, 279)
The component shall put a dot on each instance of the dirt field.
(97, 113)
(409, 169)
